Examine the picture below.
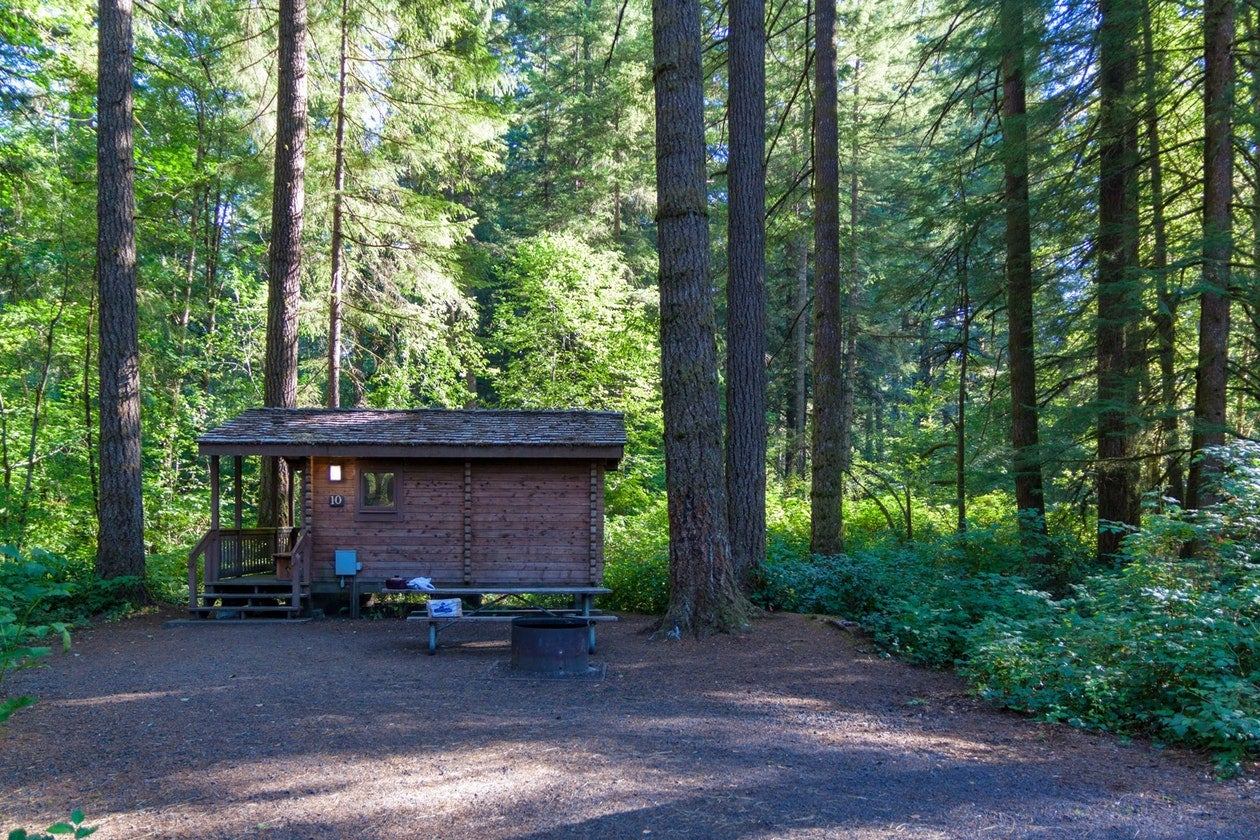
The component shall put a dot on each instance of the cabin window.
(378, 493)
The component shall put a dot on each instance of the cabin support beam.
(237, 493)
(214, 492)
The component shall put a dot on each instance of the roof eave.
(292, 449)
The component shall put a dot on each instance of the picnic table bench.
(505, 603)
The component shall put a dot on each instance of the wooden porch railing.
(301, 564)
(237, 552)
(200, 551)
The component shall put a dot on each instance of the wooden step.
(261, 609)
(247, 612)
(245, 600)
(249, 588)
(261, 598)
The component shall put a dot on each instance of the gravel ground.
(336, 728)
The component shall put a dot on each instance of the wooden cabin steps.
(243, 599)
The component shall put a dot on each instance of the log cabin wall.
(531, 523)
(527, 522)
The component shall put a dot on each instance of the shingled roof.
(419, 433)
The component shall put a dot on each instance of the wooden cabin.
(466, 498)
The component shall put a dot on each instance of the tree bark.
(1118, 292)
(746, 290)
(798, 445)
(849, 308)
(960, 415)
(120, 535)
(1211, 375)
(1251, 296)
(285, 261)
(828, 455)
(337, 243)
(704, 596)
(1165, 316)
(1021, 341)
(89, 446)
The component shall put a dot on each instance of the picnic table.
(505, 603)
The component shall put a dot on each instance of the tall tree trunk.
(960, 415)
(746, 290)
(1251, 298)
(1029, 491)
(849, 307)
(1211, 375)
(828, 455)
(704, 595)
(337, 244)
(285, 262)
(89, 445)
(798, 446)
(120, 535)
(1118, 293)
(1165, 316)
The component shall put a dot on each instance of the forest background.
(481, 179)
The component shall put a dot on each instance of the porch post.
(237, 462)
(308, 493)
(210, 556)
(214, 492)
(289, 500)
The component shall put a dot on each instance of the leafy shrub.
(166, 576)
(26, 588)
(75, 828)
(1164, 646)
(845, 585)
(931, 618)
(79, 594)
(919, 601)
(636, 564)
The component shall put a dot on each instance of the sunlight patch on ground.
(509, 787)
(108, 699)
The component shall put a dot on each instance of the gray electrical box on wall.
(345, 562)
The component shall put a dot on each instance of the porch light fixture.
(334, 472)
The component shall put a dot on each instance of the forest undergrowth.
(1160, 645)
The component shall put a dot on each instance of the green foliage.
(569, 329)
(75, 828)
(166, 576)
(929, 619)
(1164, 646)
(843, 585)
(918, 602)
(636, 560)
(578, 154)
(787, 524)
(61, 589)
(26, 587)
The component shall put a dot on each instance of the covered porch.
(241, 572)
